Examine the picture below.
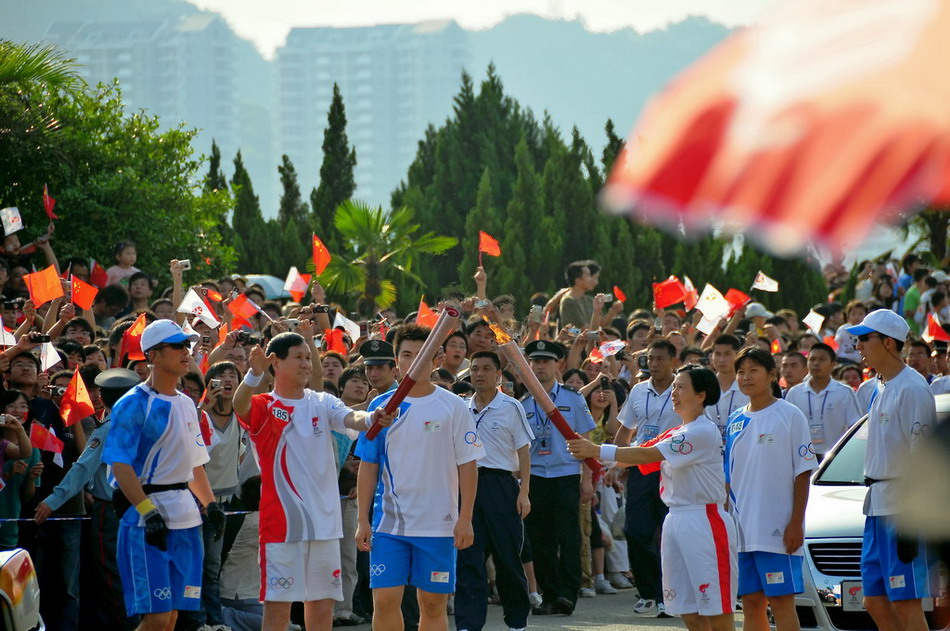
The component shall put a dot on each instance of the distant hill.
(583, 78)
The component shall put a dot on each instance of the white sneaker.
(535, 599)
(661, 611)
(515, 629)
(587, 592)
(619, 581)
(645, 607)
(603, 586)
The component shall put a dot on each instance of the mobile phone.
(642, 363)
(205, 339)
(574, 331)
(184, 265)
(482, 303)
(604, 383)
(592, 335)
(214, 384)
(40, 338)
(621, 356)
(536, 313)
(293, 323)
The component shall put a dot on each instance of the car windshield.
(846, 467)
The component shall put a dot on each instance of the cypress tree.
(292, 205)
(524, 209)
(337, 183)
(485, 218)
(253, 248)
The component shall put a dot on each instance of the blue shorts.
(427, 563)
(154, 581)
(882, 573)
(770, 573)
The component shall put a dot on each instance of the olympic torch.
(513, 353)
(419, 369)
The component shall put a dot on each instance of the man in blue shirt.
(559, 483)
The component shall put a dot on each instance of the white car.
(19, 593)
(834, 527)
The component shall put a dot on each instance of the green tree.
(254, 249)
(295, 250)
(337, 183)
(215, 180)
(524, 212)
(293, 210)
(484, 217)
(385, 247)
(611, 149)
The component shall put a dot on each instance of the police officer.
(89, 472)
(559, 484)
(380, 361)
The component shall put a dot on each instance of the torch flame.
(500, 336)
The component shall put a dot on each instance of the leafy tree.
(514, 275)
(484, 217)
(386, 248)
(611, 149)
(293, 210)
(337, 183)
(216, 180)
(295, 250)
(254, 253)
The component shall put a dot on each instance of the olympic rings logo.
(680, 445)
(162, 593)
(472, 439)
(807, 452)
(281, 582)
(669, 594)
(919, 430)
(377, 570)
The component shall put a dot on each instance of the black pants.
(103, 605)
(500, 533)
(553, 526)
(644, 519)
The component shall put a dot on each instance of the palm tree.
(379, 248)
(22, 65)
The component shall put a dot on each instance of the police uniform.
(553, 526)
(91, 474)
(377, 353)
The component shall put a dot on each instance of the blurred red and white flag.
(764, 283)
(193, 304)
(807, 128)
(296, 284)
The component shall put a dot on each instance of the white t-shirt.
(865, 393)
(648, 411)
(902, 412)
(225, 452)
(940, 385)
(418, 456)
(159, 437)
(729, 401)
(829, 412)
(502, 429)
(765, 452)
(300, 499)
(691, 472)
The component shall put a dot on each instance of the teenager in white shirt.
(768, 459)
(699, 536)
(893, 566)
(722, 361)
(830, 406)
(300, 521)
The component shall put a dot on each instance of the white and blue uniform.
(830, 411)
(159, 437)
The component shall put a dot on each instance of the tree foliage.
(337, 182)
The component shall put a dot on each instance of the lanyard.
(537, 412)
(824, 399)
(662, 407)
(480, 416)
(729, 410)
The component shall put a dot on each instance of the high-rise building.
(395, 80)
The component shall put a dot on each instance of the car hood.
(834, 511)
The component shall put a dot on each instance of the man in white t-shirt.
(647, 414)
(300, 523)
(894, 567)
(730, 397)
(156, 451)
(422, 472)
(830, 406)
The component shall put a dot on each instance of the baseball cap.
(164, 332)
(756, 310)
(883, 321)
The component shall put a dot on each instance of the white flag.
(48, 357)
(11, 220)
(707, 324)
(612, 348)
(712, 304)
(352, 328)
(295, 282)
(193, 304)
(814, 320)
(765, 283)
(190, 330)
(6, 338)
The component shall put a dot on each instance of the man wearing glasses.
(156, 451)
(893, 565)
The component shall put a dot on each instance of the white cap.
(164, 332)
(883, 321)
(756, 310)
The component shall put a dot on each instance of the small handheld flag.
(764, 283)
(619, 295)
(49, 204)
(488, 245)
(76, 403)
(321, 256)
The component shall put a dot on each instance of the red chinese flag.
(222, 334)
(737, 299)
(619, 295)
(76, 403)
(132, 340)
(97, 274)
(321, 256)
(83, 294)
(42, 438)
(334, 340)
(669, 292)
(48, 204)
(241, 307)
(830, 341)
(207, 292)
(776, 347)
(936, 332)
(426, 316)
(488, 245)
(44, 286)
(205, 425)
(240, 322)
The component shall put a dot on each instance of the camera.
(40, 338)
(536, 313)
(592, 335)
(214, 384)
(243, 337)
(482, 303)
(642, 363)
(292, 324)
(205, 339)
(604, 383)
(16, 303)
(57, 391)
(184, 265)
(621, 356)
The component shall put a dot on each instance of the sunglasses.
(177, 346)
(867, 336)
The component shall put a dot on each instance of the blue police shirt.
(549, 455)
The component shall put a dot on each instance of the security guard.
(90, 473)
(380, 361)
(559, 484)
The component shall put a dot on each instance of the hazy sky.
(267, 22)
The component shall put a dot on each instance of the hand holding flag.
(76, 403)
(488, 245)
(619, 295)
(48, 204)
(44, 286)
(42, 438)
(426, 316)
(83, 295)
